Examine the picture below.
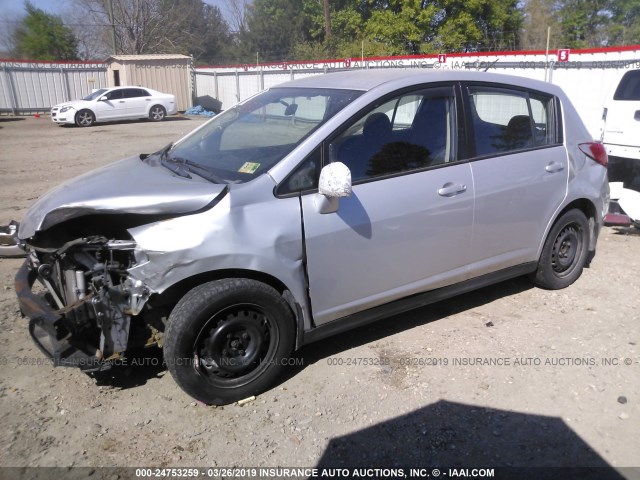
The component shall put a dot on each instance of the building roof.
(161, 56)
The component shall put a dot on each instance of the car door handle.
(450, 189)
(121, 101)
(554, 167)
(148, 99)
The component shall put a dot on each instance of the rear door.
(406, 227)
(137, 101)
(520, 173)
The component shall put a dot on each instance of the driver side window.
(412, 131)
(114, 95)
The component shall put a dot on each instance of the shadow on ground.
(635, 231)
(448, 435)
(136, 370)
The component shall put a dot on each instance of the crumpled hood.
(127, 186)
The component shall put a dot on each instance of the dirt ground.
(510, 375)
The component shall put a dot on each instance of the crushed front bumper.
(9, 246)
(48, 327)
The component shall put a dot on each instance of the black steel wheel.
(85, 118)
(565, 252)
(157, 113)
(226, 340)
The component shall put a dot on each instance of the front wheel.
(565, 252)
(157, 113)
(227, 340)
(85, 118)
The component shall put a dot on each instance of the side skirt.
(414, 301)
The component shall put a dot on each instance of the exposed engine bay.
(97, 311)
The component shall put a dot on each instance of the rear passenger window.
(133, 93)
(510, 120)
(409, 132)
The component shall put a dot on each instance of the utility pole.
(327, 20)
(546, 56)
(113, 28)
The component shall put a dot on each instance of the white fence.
(586, 75)
(27, 87)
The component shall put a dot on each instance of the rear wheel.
(157, 113)
(227, 340)
(85, 118)
(565, 252)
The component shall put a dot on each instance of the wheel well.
(173, 294)
(177, 291)
(589, 210)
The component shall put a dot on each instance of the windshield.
(249, 138)
(95, 94)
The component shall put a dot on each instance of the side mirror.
(335, 182)
(103, 98)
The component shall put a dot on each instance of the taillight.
(595, 151)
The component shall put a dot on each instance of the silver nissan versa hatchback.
(314, 207)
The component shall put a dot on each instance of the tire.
(565, 252)
(226, 340)
(85, 118)
(157, 113)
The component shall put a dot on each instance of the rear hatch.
(622, 113)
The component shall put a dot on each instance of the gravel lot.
(413, 390)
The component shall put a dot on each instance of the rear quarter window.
(629, 87)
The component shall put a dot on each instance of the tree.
(196, 28)
(476, 25)
(44, 37)
(188, 27)
(274, 27)
(625, 25)
(237, 12)
(583, 23)
(402, 26)
(539, 16)
(429, 26)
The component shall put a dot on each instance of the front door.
(111, 108)
(406, 227)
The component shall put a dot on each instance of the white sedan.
(118, 103)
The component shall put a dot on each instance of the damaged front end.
(81, 315)
(85, 309)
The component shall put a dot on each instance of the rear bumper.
(624, 151)
(48, 327)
